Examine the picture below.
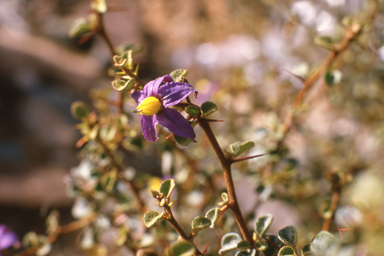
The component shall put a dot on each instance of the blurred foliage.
(327, 166)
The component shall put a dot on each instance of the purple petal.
(152, 87)
(7, 237)
(175, 123)
(148, 126)
(172, 93)
(136, 96)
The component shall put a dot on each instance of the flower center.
(149, 106)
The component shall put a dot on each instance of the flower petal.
(175, 123)
(7, 237)
(152, 87)
(173, 92)
(148, 126)
(136, 96)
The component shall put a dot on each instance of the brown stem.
(226, 166)
(336, 190)
(171, 219)
(102, 32)
(71, 227)
(351, 34)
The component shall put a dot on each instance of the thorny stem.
(119, 168)
(351, 34)
(336, 190)
(71, 227)
(102, 32)
(179, 229)
(226, 166)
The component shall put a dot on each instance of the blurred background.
(246, 56)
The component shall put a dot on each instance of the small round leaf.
(286, 251)
(182, 248)
(322, 241)
(262, 223)
(208, 108)
(151, 217)
(213, 214)
(200, 223)
(192, 110)
(288, 235)
(178, 74)
(79, 110)
(245, 253)
(229, 242)
(167, 187)
(243, 245)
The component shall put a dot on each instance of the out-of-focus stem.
(226, 166)
(171, 219)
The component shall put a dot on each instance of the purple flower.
(154, 102)
(7, 237)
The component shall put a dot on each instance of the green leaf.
(288, 235)
(261, 244)
(99, 6)
(262, 223)
(79, 110)
(306, 250)
(155, 193)
(245, 253)
(200, 223)
(213, 214)
(286, 251)
(243, 245)
(272, 250)
(120, 85)
(30, 240)
(167, 187)
(322, 241)
(182, 248)
(324, 41)
(192, 110)
(108, 180)
(151, 217)
(208, 108)
(229, 242)
(45, 245)
(181, 140)
(332, 77)
(239, 147)
(52, 221)
(178, 74)
(79, 28)
(127, 55)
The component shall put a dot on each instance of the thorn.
(247, 158)
(297, 76)
(341, 234)
(85, 38)
(213, 120)
(205, 249)
(269, 241)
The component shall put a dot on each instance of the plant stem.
(179, 229)
(71, 227)
(350, 35)
(226, 166)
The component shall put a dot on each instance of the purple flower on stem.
(7, 237)
(154, 102)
